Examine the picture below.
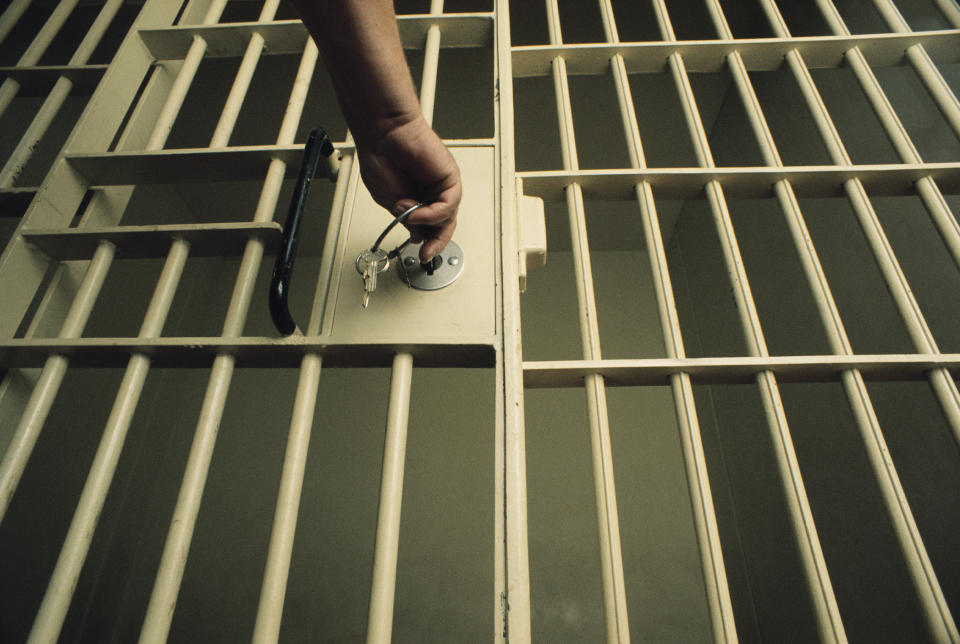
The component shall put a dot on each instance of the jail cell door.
(164, 444)
(722, 406)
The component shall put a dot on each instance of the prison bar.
(608, 521)
(931, 77)
(277, 568)
(704, 516)
(820, 588)
(48, 384)
(383, 584)
(170, 574)
(759, 54)
(60, 589)
(383, 588)
(49, 31)
(288, 36)
(58, 95)
(11, 15)
(511, 550)
(943, 219)
(930, 595)
(33, 418)
(939, 620)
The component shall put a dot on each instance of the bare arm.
(402, 160)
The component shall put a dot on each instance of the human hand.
(406, 164)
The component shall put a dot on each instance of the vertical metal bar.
(608, 522)
(273, 590)
(277, 569)
(61, 587)
(513, 575)
(241, 83)
(63, 582)
(819, 586)
(11, 15)
(18, 158)
(939, 620)
(942, 383)
(50, 29)
(704, 515)
(950, 11)
(48, 384)
(176, 549)
(939, 90)
(431, 60)
(380, 621)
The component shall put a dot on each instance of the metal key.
(370, 263)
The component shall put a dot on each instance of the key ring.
(397, 220)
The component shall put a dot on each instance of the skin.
(402, 160)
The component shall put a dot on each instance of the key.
(432, 265)
(370, 263)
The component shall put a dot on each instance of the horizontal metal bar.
(289, 36)
(685, 183)
(206, 240)
(248, 351)
(185, 165)
(759, 54)
(736, 370)
(40, 78)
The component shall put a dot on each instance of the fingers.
(436, 239)
(433, 223)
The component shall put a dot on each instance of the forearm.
(361, 46)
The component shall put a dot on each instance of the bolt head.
(409, 261)
(453, 260)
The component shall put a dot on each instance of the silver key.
(370, 263)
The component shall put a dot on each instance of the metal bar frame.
(512, 608)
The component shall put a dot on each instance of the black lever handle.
(318, 143)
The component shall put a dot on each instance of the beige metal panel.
(465, 308)
(206, 240)
(737, 370)
(686, 183)
(761, 54)
(289, 36)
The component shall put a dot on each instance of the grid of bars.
(98, 238)
(48, 64)
(569, 184)
(113, 167)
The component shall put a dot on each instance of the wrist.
(388, 124)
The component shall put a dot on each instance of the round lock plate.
(447, 270)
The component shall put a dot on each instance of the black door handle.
(318, 143)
